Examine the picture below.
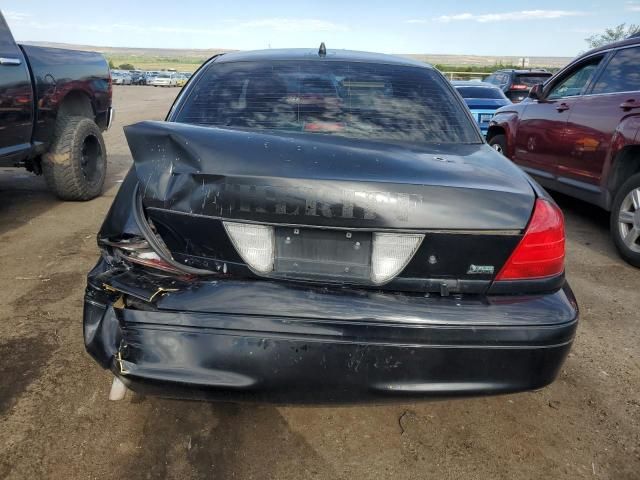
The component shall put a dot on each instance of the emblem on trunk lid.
(480, 269)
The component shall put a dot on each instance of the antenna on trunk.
(322, 51)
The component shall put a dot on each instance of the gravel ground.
(56, 421)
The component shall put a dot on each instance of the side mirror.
(536, 92)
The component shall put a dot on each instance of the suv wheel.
(625, 220)
(499, 143)
(76, 165)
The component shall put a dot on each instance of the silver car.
(120, 77)
(165, 79)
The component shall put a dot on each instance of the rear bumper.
(361, 346)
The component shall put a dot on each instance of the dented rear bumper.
(280, 342)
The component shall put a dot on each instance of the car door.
(539, 142)
(16, 97)
(593, 121)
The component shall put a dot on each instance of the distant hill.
(131, 51)
(487, 61)
(190, 59)
(145, 58)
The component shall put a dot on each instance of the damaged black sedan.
(326, 227)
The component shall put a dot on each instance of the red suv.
(578, 133)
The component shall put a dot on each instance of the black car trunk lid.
(468, 202)
(328, 181)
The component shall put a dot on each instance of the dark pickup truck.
(54, 106)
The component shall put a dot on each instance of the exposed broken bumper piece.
(278, 342)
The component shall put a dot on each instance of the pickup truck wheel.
(625, 221)
(499, 143)
(76, 165)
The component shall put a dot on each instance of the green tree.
(614, 34)
(126, 66)
(111, 65)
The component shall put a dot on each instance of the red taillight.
(152, 260)
(138, 251)
(540, 253)
(519, 86)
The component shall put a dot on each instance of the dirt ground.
(56, 421)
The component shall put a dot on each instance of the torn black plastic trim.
(157, 246)
(101, 329)
(531, 286)
(287, 299)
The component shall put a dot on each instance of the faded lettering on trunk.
(316, 202)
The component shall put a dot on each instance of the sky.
(496, 27)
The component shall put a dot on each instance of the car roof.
(311, 54)
(472, 83)
(524, 71)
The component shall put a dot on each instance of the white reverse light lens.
(254, 243)
(391, 253)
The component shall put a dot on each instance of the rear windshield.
(358, 100)
(164, 75)
(531, 80)
(480, 92)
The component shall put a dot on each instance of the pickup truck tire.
(499, 143)
(76, 165)
(625, 220)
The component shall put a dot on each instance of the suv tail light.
(540, 253)
(519, 86)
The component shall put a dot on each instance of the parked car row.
(483, 99)
(155, 78)
(516, 83)
(576, 132)
(501, 88)
(579, 133)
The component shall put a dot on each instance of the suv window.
(481, 92)
(622, 74)
(351, 99)
(493, 79)
(574, 83)
(530, 80)
(497, 78)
